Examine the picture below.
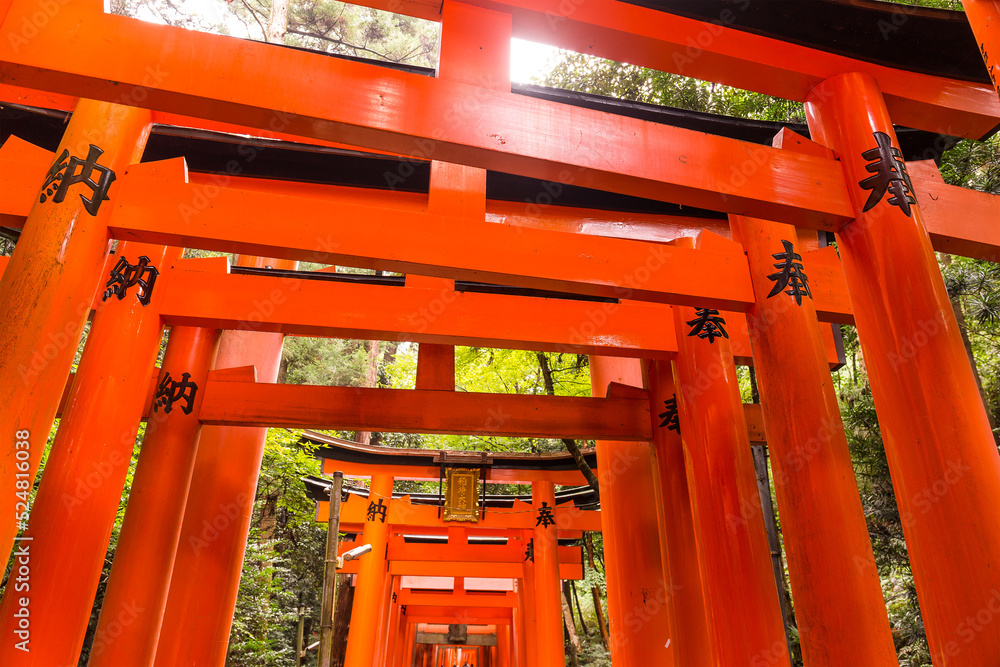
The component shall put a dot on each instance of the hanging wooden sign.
(461, 497)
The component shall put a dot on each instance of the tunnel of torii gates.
(670, 246)
(496, 572)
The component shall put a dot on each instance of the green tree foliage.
(587, 74)
(283, 563)
(320, 25)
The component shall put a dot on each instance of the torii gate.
(529, 556)
(530, 553)
(890, 287)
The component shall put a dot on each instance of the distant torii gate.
(675, 296)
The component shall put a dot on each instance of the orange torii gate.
(885, 280)
(529, 552)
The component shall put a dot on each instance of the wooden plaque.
(461, 496)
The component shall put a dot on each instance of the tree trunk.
(579, 611)
(574, 640)
(601, 625)
(771, 527)
(342, 618)
(277, 22)
(370, 380)
(956, 305)
(570, 444)
(568, 596)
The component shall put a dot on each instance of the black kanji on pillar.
(670, 416)
(889, 175)
(68, 170)
(125, 275)
(708, 324)
(169, 391)
(377, 510)
(529, 551)
(545, 516)
(790, 274)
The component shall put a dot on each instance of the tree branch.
(340, 42)
(570, 443)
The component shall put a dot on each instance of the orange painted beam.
(457, 122)
(424, 244)
(424, 315)
(423, 411)
(34, 98)
(441, 315)
(457, 612)
(452, 599)
(512, 552)
(658, 40)
(497, 475)
(403, 514)
(752, 414)
(959, 221)
(155, 206)
(467, 620)
(435, 568)
(22, 169)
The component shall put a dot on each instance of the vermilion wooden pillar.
(393, 627)
(984, 17)
(520, 625)
(390, 621)
(195, 628)
(405, 642)
(77, 500)
(147, 544)
(638, 594)
(527, 595)
(48, 287)
(744, 618)
(372, 573)
(942, 456)
(839, 608)
(548, 603)
(503, 646)
(679, 553)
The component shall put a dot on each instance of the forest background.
(283, 565)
